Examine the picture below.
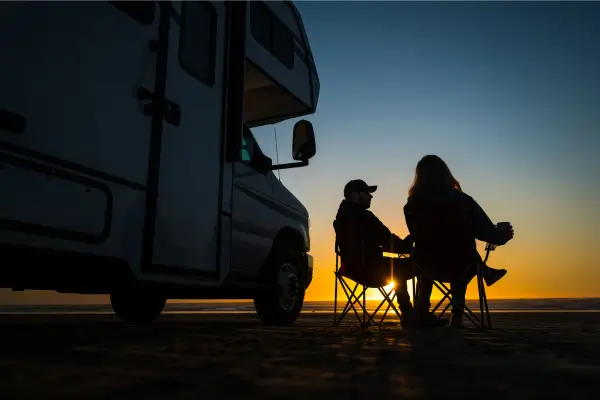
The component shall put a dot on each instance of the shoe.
(457, 323)
(408, 322)
(492, 275)
(408, 319)
(429, 320)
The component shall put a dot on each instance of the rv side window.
(142, 12)
(197, 40)
(271, 33)
(246, 150)
(247, 146)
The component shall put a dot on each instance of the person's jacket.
(377, 237)
(484, 229)
(446, 260)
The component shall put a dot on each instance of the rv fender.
(292, 239)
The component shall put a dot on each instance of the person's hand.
(510, 233)
(508, 229)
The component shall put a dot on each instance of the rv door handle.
(171, 113)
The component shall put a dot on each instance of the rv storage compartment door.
(43, 201)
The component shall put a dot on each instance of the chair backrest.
(349, 245)
(443, 236)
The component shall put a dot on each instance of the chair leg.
(445, 309)
(352, 297)
(335, 296)
(448, 294)
(480, 288)
(388, 297)
(483, 303)
(415, 292)
(487, 312)
(347, 307)
(385, 313)
(364, 306)
(390, 301)
(385, 298)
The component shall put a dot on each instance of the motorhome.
(127, 161)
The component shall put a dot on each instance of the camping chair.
(482, 295)
(350, 274)
(444, 252)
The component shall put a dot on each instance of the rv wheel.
(283, 302)
(137, 305)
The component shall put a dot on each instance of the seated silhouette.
(362, 240)
(444, 223)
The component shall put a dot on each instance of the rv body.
(127, 164)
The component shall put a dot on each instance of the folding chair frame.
(367, 319)
(483, 304)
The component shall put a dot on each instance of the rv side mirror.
(262, 163)
(304, 146)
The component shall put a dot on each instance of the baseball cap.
(358, 185)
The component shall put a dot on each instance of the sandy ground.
(526, 356)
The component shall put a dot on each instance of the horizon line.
(306, 301)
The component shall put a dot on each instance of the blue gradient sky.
(507, 93)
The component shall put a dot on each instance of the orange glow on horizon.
(536, 268)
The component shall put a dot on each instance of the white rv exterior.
(127, 165)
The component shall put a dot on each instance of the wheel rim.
(289, 286)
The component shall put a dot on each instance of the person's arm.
(385, 238)
(408, 215)
(403, 246)
(377, 229)
(484, 228)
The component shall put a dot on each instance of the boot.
(492, 275)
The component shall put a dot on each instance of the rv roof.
(281, 80)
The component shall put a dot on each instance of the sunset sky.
(508, 94)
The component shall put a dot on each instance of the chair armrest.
(488, 247)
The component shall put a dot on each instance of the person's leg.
(426, 319)
(459, 292)
(402, 272)
(403, 297)
(424, 289)
(405, 270)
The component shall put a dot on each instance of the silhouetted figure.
(378, 239)
(437, 207)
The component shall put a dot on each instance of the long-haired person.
(435, 202)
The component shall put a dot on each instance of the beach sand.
(525, 356)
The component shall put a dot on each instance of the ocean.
(247, 307)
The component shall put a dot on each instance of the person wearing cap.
(379, 239)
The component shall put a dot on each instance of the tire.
(137, 305)
(283, 302)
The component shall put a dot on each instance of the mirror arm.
(290, 165)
